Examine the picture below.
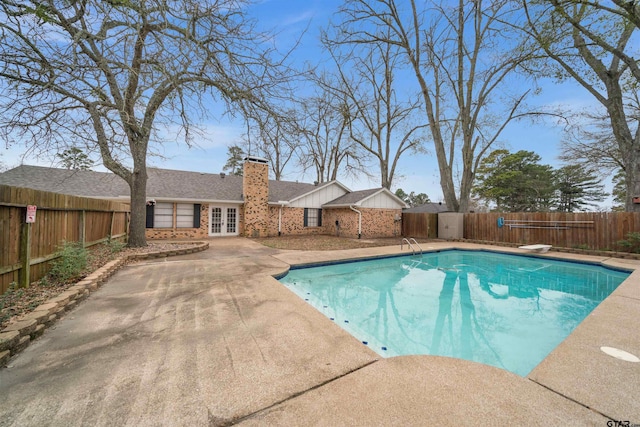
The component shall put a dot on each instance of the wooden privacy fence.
(585, 230)
(26, 250)
(423, 225)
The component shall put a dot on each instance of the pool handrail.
(404, 239)
(411, 239)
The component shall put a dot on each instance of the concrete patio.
(212, 339)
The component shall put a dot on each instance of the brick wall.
(292, 222)
(375, 222)
(183, 233)
(255, 188)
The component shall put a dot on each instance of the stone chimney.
(255, 189)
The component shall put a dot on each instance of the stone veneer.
(255, 189)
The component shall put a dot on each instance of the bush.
(115, 246)
(71, 263)
(631, 243)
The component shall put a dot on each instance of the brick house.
(182, 204)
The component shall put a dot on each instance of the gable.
(374, 198)
(317, 198)
(381, 200)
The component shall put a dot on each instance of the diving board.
(537, 248)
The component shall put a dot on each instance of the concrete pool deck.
(212, 339)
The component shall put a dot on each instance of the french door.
(223, 221)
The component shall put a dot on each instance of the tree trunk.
(633, 182)
(137, 229)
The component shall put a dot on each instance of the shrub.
(115, 246)
(71, 263)
(631, 243)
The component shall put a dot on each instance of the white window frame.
(184, 215)
(163, 215)
(312, 217)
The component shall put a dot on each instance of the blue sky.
(419, 173)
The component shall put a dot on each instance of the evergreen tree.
(516, 182)
(412, 199)
(74, 159)
(578, 188)
(619, 192)
(234, 161)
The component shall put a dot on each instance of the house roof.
(163, 184)
(428, 208)
(352, 198)
(288, 190)
(77, 183)
(168, 185)
(357, 198)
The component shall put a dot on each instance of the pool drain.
(620, 354)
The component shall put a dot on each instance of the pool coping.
(262, 356)
(576, 369)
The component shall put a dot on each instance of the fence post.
(113, 218)
(82, 226)
(25, 255)
(127, 221)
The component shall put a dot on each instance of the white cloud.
(304, 16)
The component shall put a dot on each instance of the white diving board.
(537, 248)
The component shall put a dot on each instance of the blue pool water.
(503, 310)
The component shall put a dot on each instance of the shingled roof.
(287, 190)
(352, 198)
(163, 184)
(428, 208)
(76, 183)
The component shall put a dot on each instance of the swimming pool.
(503, 310)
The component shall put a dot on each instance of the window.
(312, 217)
(184, 215)
(160, 215)
(163, 215)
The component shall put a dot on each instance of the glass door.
(223, 221)
(231, 221)
(216, 221)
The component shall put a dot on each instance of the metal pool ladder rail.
(409, 240)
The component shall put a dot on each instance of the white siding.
(320, 197)
(381, 201)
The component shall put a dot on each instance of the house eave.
(193, 200)
(342, 205)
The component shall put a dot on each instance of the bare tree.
(462, 59)
(274, 137)
(578, 38)
(106, 73)
(382, 122)
(324, 129)
(617, 11)
(590, 143)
